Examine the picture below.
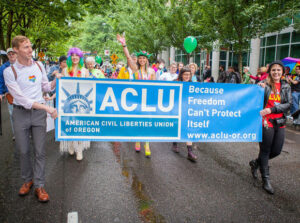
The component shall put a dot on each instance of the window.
(222, 55)
(282, 52)
(271, 40)
(177, 51)
(184, 60)
(283, 38)
(234, 62)
(295, 50)
(245, 59)
(270, 55)
(262, 42)
(262, 57)
(197, 59)
(295, 37)
(230, 59)
(223, 63)
(178, 58)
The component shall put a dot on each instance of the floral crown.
(143, 53)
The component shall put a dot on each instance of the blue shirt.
(52, 69)
(3, 88)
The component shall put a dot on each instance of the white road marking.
(73, 217)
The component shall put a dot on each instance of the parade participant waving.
(277, 101)
(185, 75)
(26, 81)
(75, 69)
(142, 71)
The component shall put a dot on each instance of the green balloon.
(69, 62)
(190, 44)
(98, 59)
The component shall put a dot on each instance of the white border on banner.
(60, 137)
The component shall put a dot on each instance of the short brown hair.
(17, 40)
(182, 71)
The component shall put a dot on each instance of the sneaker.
(147, 150)
(79, 155)
(71, 151)
(13, 138)
(137, 147)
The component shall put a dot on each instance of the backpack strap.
(39, 66)
(14, 71)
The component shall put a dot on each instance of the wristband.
(124, 46)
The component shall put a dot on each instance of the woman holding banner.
(75, 69)
(141, 71)
(185, 75)
(277, 101)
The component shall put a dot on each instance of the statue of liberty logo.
(77, 103)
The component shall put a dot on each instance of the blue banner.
(122, 110)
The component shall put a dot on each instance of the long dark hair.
(146, 65)
(270, 80)
(182, 71)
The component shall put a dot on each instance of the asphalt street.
(113, 183)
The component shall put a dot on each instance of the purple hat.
(76, 51)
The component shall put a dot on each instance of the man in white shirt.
(26, 81)
(170, 76)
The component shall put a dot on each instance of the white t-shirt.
(168, 77)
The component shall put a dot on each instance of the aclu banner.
(122, 110)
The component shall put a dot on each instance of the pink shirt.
(30, 84)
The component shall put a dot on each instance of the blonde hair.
(173, 64)
(263, 70)
(17, 40)
(193, 64)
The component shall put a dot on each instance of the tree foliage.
(235, 22)
(42, 20)
(149, 25)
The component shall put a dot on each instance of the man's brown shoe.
(24, 190)
(41, 194)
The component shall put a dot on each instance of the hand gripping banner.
(122, 110)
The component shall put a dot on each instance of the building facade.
(262, 51)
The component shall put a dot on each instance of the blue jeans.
(296, 99)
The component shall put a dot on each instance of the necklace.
(71, 73)
(142, 75)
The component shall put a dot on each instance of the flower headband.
(143, 53)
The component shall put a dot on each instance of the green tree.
(235, 22)
(36, 17)
(142, 22)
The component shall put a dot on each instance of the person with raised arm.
(141, 71)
